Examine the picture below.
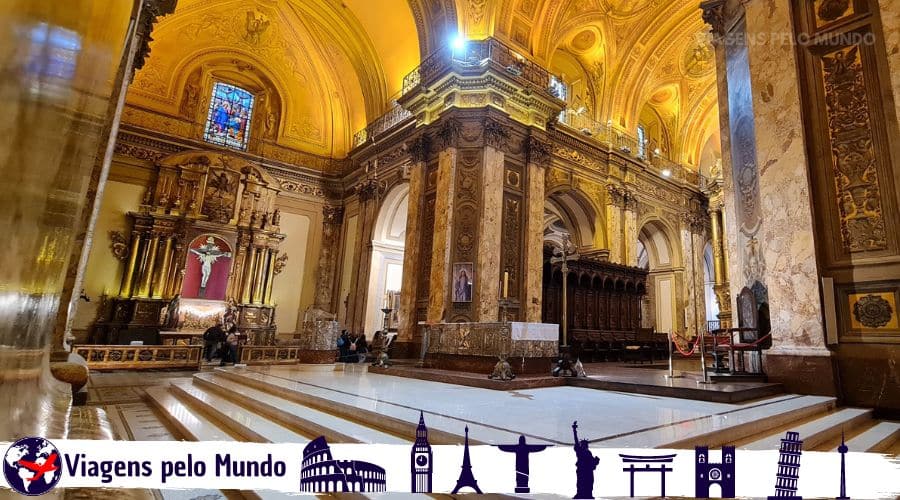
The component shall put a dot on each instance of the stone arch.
(577, 213)
(388, 248)
(659, 253)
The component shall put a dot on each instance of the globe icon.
(32, 466)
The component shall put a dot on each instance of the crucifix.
(207, 254)
(564, 255)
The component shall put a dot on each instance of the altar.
(476, 347)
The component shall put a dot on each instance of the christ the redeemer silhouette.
(522, 451)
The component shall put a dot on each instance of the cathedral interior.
(694, 200)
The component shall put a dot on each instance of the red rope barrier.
(680, 350)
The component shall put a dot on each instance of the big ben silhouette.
(420, 459)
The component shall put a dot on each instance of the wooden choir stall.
(603, 308)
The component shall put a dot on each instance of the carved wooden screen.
(850, 119)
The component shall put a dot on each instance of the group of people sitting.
(352, 348)
(221, 341)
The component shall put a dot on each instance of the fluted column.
(270, 276)
(147, 269)
(130, 268)
(249, 268)
(159, 286)
(259, 279)
(720, 268)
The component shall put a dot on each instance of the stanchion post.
(703, 360)
(671, 374)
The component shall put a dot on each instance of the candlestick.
(505, 284)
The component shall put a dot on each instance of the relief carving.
(495, 135)
(853, 152)
(538, 151)
(832, 10)
(873, 311)
(418, 148)
(118, 245)
(448, 134)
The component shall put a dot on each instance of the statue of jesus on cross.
(207, 254)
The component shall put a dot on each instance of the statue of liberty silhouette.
(585, 464)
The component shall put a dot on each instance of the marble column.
(442, 240)
(630, 229)
(407, 330)
(165, 258)
(148, 269)
(768, 146)
(56, 127)
(720, 268)
(538, 159)
(489, 245)
(369, 192)
(615, 201)
(129, 275)
(249, 270)
(332, 219)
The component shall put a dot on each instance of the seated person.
(212, 340)
(230, 347)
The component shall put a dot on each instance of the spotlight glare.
(458, 42)
(666, 172)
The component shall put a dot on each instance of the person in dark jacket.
(212, 340)
(230, 347)
(343, 344)
(358, 349)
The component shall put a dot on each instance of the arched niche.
(206, 269)
(198, 76)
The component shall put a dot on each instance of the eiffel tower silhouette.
(465, 475)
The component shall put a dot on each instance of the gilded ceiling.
(323, 69)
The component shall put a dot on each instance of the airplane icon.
(40, 470)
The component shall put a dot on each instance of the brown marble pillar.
(442, 239)
(407, 330)
(487, 288)
(332, 219)
(538, 159)
(369, 191)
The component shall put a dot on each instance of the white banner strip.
(255, 466)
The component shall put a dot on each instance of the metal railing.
(619, 140)
(384, 123)
(478, 55)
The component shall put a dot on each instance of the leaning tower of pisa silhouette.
(788, 468)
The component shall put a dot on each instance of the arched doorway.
(657, 254)
(386, 272)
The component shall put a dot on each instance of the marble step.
(877, 438)
(299, 418)
(386, 417)
(193, 425)
(817, 431)
(237, 419)
(727, 427)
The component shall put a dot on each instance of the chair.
(753, 333)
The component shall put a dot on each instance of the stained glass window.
(230, 111)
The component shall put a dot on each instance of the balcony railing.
(623, 142)
(478, 55)
(395, 116)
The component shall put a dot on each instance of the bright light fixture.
(666, 172)
(458, 43)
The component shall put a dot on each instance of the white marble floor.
(611, 418)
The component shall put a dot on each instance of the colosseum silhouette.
(321, 473)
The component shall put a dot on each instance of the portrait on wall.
(463, 277)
